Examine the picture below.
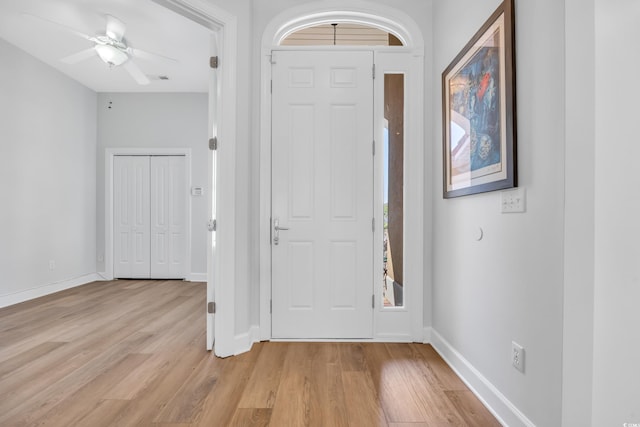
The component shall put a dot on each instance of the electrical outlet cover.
(517, 356)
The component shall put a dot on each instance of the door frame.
(110, 153)
(221, 268)
(403, 26)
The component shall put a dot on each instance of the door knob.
(276, 231)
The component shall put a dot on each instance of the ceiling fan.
(111, 47)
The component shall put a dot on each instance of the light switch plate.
(514, 201)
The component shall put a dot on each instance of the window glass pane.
(342, 34)
(393, 184)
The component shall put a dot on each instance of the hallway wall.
(509, 285)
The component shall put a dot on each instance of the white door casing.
(322, 191)
(404, 323)
(212, 254)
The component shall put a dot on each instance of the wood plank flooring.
(131, 353)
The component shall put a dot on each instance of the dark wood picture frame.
(479, 110)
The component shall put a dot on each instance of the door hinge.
(373, 71)
(212, 225)
(213, 143)
(271, 87)
(213, 62)
(373, 224)
(211, 307)
(270, 306)
(373, 301)
(373, 147)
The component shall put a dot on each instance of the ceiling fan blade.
(80, 56)
(115, 28)
(63, 27)
(136, 72)
(149, 55)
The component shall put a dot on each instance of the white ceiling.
(150, 27)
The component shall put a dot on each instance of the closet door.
(131, 216)
(168, 217)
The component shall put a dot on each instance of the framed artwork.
(479, 110)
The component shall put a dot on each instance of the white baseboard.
(496, 402)
(244, 342)
(389, 338)
(103, 276)
(40, 291)
(426, 335)
(197, 277)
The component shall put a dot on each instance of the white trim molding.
(496, 402)
(47, 289)
(386, 18)
(197, 277)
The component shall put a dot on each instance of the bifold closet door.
(150, 205)
(131, 217)
(168, 217)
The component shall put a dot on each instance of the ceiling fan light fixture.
(111, 55)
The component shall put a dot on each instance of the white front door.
(322, 194)
(150, 199)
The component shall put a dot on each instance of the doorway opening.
(399, 54)
(222, 126)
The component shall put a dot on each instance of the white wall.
(508, 286)
(157, 120)
(616, 375)
(47, 178)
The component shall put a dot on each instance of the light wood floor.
(131, 353)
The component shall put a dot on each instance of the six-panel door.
(322, 191)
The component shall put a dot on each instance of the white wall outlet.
(52, 265)
(517, 356)
(100, 258)
(513, 201)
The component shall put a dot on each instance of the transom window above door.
(341, 34)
